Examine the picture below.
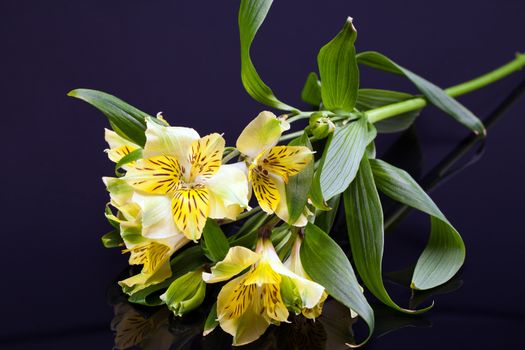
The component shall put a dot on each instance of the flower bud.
(185, 293)
(320, 125)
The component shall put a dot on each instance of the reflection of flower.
(249, 303)
(132, 329)
(270, 166)
(185, 172)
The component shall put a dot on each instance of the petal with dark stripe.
(191, 206)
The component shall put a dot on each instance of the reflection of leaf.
(337, 321)
(390, 321)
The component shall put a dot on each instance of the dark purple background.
(182, 58)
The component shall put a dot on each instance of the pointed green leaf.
(298, 186)
(445, 252)
(128, 158)
(311, 92)
(214, 243)
(339, 72)
(326, 263)
(125, 120)
(344, 153)
(112, 239)
(364, 218)
(433, 93)
(211, 321)
(251, 15)
(374, 98)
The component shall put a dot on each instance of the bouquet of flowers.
(256, 217)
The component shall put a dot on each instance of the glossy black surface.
(182, 58)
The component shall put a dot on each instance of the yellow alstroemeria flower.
(249, 303)
(186, 170)
(270, 165)
(293, 262)
(148, 232)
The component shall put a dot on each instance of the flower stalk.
(377, 114)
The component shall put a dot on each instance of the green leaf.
(125, 120)
(183, 262)
(251, 15)
(374, 98)
(214, 244)
(339, 72)
(128, 158)
(211, 321)
(326, 263)
(311, 92)
(445, 252)
(112, 239)
(344, 153)
(433, 93)
(364, 218)
(298, 186)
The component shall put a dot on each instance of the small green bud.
(186, 293)
(320, 125)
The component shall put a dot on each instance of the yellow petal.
(285, 161)
(229, 191)
(190, 206)
(260, 134)
(237, 300)
(118, 146)
(158, 175)
(150, 254)
(156, 216)
(282, 206)
(250, 325)
(169, 140)
(317, 310)
(206, 156)
(265, 187)
(238, 259)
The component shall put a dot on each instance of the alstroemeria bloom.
(149, 235)
(293, 262)
(183, 169)
(271, 165)
(249, 303)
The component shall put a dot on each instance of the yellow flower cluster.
(177, 182)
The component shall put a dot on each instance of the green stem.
(388, 111)
(248, 213)
(230, 156)
(291, 135)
